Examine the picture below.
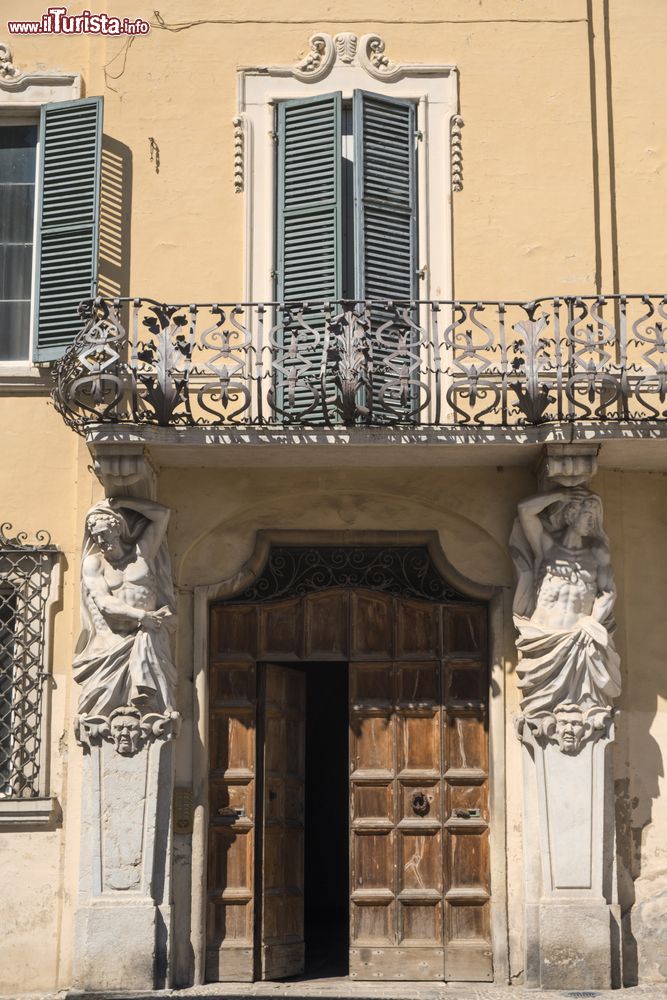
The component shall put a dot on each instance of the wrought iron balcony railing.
(337, 364)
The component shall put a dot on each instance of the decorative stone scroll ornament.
(123, 662)
(319, 60)
(7, 67)
(347, 48)
(569, 670)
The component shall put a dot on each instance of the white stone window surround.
(21, 98)
(346, 64)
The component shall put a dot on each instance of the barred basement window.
(28, 577)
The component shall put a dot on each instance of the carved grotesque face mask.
(126, 734)
(570, 729)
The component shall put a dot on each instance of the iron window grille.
(26, 577)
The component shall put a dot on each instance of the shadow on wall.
(635, 792)
(115, 218)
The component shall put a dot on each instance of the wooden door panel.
(282, 948)
(229, 952)
(372, 744)
(371, 625)
(325, 617)
(465, 630)
(396, 925)
(233, 632)
(280, 630)
(468, 955)
(417, 629)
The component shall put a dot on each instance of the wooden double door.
(419, 890)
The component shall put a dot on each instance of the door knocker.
(420, 804)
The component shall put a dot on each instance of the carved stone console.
(125, 723)
(568, 676)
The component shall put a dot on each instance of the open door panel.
(282, 947)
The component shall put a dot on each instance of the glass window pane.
(17, 213)
(17, 153)
(15, 270)
(14, 330)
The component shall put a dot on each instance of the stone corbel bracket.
(569, 727)
(568, 465)
(132, 736)
(123, 470)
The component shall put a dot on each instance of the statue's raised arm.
(152, 535)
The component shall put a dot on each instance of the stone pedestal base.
(123, 920)
(578, 945)
(572, 921)
(119, 947)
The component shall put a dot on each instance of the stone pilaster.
(123, 920)
(125, 725)
(568, 677)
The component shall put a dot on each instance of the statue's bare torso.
(131, 583)
(567, 587)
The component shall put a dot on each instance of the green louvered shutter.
(68, 220)
(385, 219)
(309, 250)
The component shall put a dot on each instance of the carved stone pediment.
(348, 49)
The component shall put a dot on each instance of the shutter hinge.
(273, 274)
(421, 272)
(419, 135)
(273, 136)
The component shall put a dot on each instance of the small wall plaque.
(183, 810)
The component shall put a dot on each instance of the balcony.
(566, 368)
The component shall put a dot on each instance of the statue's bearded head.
(570, 727)
(126, 733)
(106, 529)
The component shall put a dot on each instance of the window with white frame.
(344, 72)
(50, 168)
(28, 582)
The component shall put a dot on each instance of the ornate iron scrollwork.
(292, 571)
(363, 363)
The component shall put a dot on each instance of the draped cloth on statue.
(569, 665)
(118, 662)
(134, 670)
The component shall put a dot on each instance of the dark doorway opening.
(326, 862)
